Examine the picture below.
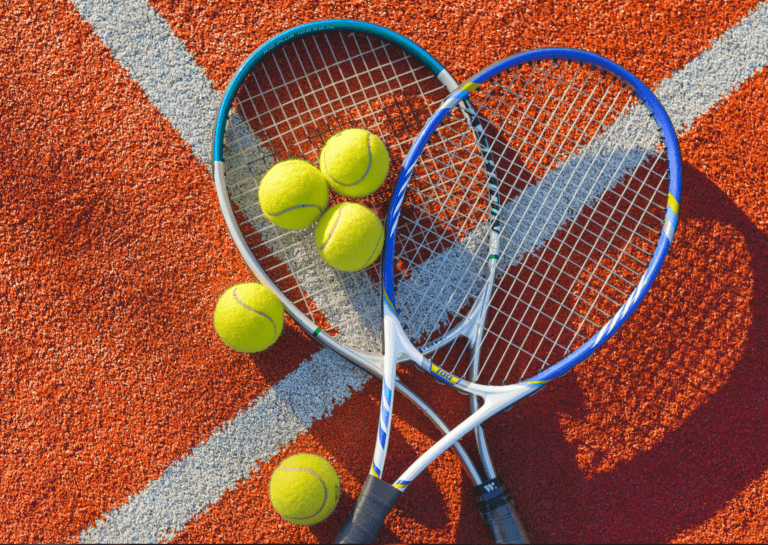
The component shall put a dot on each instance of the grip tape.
(373, 506)
(499, 513)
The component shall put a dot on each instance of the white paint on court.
(231, 453)
(145, 46)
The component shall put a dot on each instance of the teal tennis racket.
(285, 101)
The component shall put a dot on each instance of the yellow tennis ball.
(293, 194)
(304, 489)
(349, 236)
(248, 317)
(355, 162)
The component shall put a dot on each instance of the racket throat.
(396, 344)
(494, 403)
(482, 448)
(471, 326)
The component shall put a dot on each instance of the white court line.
(145, 46)
(153, 56)
(231, 453)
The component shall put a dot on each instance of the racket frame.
(317, 27)
(217, 153)
(498, 398)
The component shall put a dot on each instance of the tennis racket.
(498, 281)
(286, 100)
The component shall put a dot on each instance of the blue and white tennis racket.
(288, 97)
(498, 283)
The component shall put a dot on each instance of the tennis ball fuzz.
(349, 236)
(304, 489)
(248, 317)
(293, 194)
(355, 162)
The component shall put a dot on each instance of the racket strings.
(608, 236)
(444, 157)
(427, 226)
(546, 110)
(559, 136)
(445, 225)
(294, 99)
(556, 341)
(369, 82)
(286, 259)
(444, 152)
(624, 239)
(536, 290)
(305, 100)
(629, 253)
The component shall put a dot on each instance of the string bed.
(548, 214)
(296, 98)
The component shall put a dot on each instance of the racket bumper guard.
(497, 508)
(373, 506)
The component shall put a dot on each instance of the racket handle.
(373, 506)
(499, 513)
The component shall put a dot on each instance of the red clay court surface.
(113, 253)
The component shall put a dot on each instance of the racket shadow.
(698, 382)
(443, 491)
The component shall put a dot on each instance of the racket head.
(286, 100)
(550, 119)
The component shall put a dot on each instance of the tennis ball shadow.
(285, 355)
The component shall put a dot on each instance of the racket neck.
(493, 404)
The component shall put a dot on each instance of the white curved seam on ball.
(338, 217)
(376, 247)
(325, 490)
(367, 170)
(237, 299)
(319, 209)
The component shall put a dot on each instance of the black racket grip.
(499, 513)
(373, 506)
